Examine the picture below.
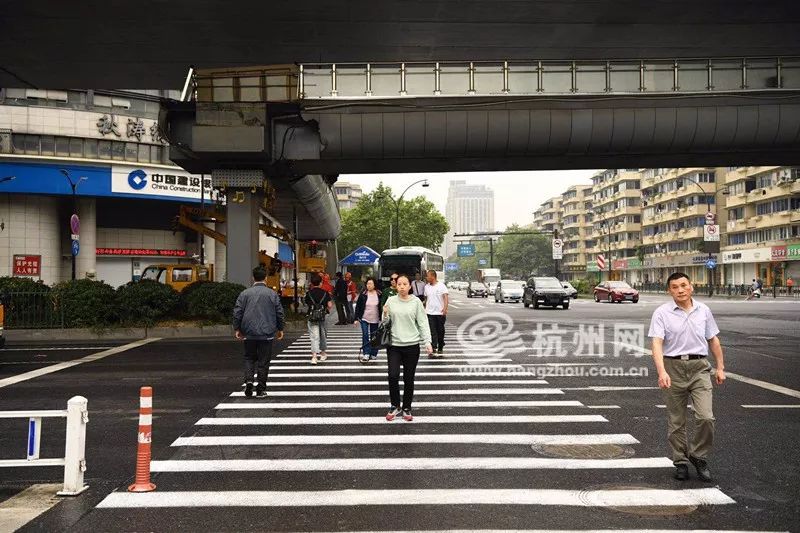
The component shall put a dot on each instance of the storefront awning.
(361, 256)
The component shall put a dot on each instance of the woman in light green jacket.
(409, 330)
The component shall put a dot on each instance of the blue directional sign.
(76, 247)
(466, 250)
(450, 267)
(483, 262)
(711, 264)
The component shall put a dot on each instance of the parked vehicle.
(572, 291)
(508, 289)
(615, 291)
(545, 291)
(178, 276)
(477, 289)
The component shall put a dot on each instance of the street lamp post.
(74, 187)
(425, 183)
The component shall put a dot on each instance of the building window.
(736, 214)
(90, 148)
(62, 146)
(736, 238)
(104, 149)
(118, 151)
(48, 143)
(76, 147)
(764, 209)
(767, 180)
(706, 177)
(131, 152)
(144, 153)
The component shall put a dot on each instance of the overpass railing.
(412, 79)
(523, 78)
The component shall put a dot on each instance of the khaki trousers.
(689, 378)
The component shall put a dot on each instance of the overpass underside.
(295, 128)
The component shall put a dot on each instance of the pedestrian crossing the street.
(318, 455)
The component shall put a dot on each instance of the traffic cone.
(142, 482)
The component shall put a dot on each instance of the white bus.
(409, 260)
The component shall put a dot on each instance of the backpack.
(316, 311)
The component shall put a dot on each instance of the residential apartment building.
(615, 219)
(576, 216)
(761, 237)
(649, 223)
(469, 209)
(347, 194)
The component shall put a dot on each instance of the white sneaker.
(323, 357)
(314, 359)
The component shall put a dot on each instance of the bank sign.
(160, 183)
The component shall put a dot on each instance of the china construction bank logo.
(487, 337)
(137, 179)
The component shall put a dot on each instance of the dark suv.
(477, 289)
(545, 291)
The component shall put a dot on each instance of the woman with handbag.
(409, 330)
(319, 304)
(368, 316)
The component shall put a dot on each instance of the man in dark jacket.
(258, 320)
(340, 298)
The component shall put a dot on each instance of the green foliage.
(421, 224)
(584, 286)
(20, 284)
(517, 256)
(85, 303)
(143, 303)
(213, 301)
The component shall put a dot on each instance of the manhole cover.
(584, 451)
(654, 510)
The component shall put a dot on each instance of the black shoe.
(681, 472)
(248, 390)
(702, 468)
(261, 393)
(440, 351)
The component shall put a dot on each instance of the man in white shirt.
(683, 333)
(436, 302)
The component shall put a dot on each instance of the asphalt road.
(589, 453)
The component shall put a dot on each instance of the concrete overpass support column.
(86, 265)
(242, 249)
(220, 251)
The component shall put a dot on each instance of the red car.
(615, 291)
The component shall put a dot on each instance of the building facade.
(347, 194)
(100, 155)
(469, 209)
(648, 223)
(576, 216)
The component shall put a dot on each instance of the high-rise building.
(347, 194)
(469, 209)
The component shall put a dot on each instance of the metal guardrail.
(743, 290)
(29, 310)
(414, 79)
(74, 460)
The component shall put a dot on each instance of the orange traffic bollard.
(142, 482)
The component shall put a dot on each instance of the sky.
(516, 194)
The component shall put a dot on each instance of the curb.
(124, 334)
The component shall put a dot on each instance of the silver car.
(571, 291)
(508, 290)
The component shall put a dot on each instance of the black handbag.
(382, 336)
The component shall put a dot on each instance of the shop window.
(48, 143)
(90, 148)
(117, 151)
(181, 274)
(155, 154)
(144, 153)
(104, 149)
(76, 147)
(62, 146)
(202, 274)
(131, 152)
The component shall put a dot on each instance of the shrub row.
(88, 303)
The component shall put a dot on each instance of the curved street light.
(425, 183)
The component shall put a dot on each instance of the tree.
(421, 224)
(519, 256)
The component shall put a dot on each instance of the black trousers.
(341, 311)
(408, 357)
(257, 355)
(436, 322)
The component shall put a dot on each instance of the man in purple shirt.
(682, 333)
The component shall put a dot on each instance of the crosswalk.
(319, 448)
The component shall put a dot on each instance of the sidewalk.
(130, 334)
